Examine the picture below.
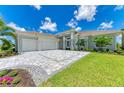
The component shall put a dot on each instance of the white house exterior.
(34, 41)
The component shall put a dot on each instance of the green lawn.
(96, 69)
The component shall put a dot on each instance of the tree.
(102, 41)
(6, 31)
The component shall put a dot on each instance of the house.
(34, 41)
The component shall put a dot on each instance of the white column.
(90, 42)
(113, 46)
(72, 41)
(64, 42)
(86, 39)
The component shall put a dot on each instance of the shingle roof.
(89, 33)
(94, 33)
(66, 32)
(82, 33)
(32, 33)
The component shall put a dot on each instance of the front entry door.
(68, 44)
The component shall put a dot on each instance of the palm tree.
(6, 31)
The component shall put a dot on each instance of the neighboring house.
(34, 41)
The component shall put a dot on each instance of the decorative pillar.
(63, 42)
(86, 40)
(114, 43)
(72, 41)
(90, 45)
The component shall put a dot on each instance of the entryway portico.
(67, 40)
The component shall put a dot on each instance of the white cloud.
(48, 25)
(13, 25)
(38, 7)
(86, 12)
(72, 23)
(105, 25)
(78, 29)
(118, 7)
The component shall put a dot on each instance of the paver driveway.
(42, 64)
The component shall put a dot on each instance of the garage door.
(48, 44)
(29, 45)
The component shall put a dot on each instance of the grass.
(96, 69)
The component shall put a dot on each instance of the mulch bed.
(25, 78)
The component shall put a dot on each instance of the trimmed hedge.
(12, 73)
(4, 72)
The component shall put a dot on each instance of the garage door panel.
(29, 45)
(47, 44)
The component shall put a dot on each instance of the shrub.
(4, 72)
(12, 73)
(16, 80)
(102, 41)
(119, 51)
(7, 53)
(107, 50)
(94, 49)
(6, 81)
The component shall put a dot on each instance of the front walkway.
(42, 64)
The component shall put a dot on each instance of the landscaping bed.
(16, 78)
(7, 54)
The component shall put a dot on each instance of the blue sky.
(54, 19)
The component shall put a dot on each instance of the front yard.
(96, 69)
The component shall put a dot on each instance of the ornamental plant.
(6, 81)
(102, 41)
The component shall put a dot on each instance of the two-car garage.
(33, 41)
